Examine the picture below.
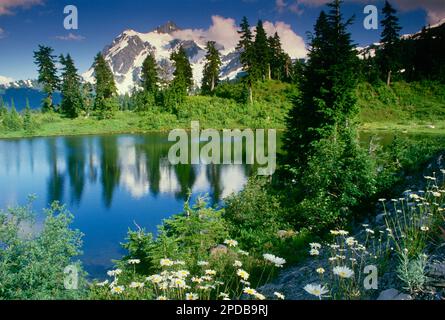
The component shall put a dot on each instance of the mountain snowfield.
(5, 80)
(128, 51)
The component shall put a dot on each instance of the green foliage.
(401, 102)
(32, 262)
(105, 88)
(338, 177)
(72, 101)
(183, 74)
(412, 273)
(46, 63)
(211, 69)
(106, 107)
(12, 120)
(149, 75)
(388, 56)
(331, 173)
(29, 123)
(189, 236)
(257, 218)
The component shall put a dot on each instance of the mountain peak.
(168, 27)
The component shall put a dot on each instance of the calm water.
(109, 183)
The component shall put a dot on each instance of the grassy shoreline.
(127, 123)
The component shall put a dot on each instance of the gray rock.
(393, 294)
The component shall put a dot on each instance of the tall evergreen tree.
(262, 68)
(212, 68)
(322, 150)
(280, 62)
(46, 64)
(105, 101)
(183, 74)
(150, 79)
(72, 102)
(388, 56)
(245, 46)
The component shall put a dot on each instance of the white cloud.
(292, 43)
(6, 6)
(2, 33)
(225, 32)
(435, 9)
(70, 37)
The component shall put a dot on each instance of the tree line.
(262, 57)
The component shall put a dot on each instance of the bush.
(32, 264)
(338, 178)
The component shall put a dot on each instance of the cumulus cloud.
(224, 31)
(292, 43)
(435, 9)
(70, 37)
(7, 6)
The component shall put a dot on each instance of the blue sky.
(26, 23)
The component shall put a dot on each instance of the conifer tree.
(245, 46)
(262, 68)
(332, 171)
(212, 68)
(105, 101)
(280, 62)
(72, 102)
(149, 75)
(46, 64)
(388, 55)
(183, 74)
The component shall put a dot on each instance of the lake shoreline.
(436, 128)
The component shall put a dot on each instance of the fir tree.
(13, 121)
(388, 55)
(149, 75)
(72, 102)
(245, 46)
(323, 152)
(183, 74)
(261, 49)
(212, 68)
(280, 62)
(46, 63)
(105, 101)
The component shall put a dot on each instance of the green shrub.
(32, 264)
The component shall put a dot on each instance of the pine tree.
(149, 75)
(388, 56)
(280, 62)
(322, 149)
(262, 68)
(183, 74)
(72, 102)
(245, 46)
(46, 63)
(13, 120)
(212, 68)
(105, 101)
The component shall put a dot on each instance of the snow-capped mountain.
(7, 83)
(370, 51)
(128, 51)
